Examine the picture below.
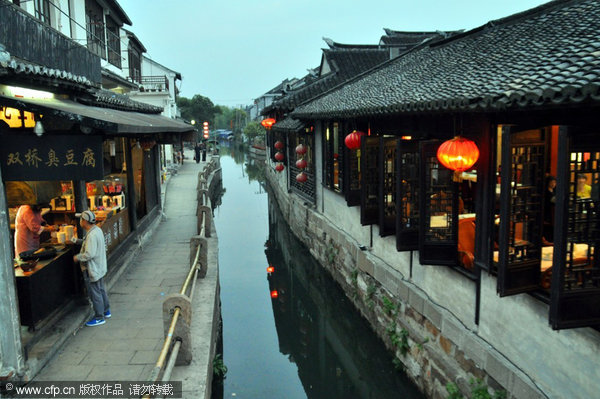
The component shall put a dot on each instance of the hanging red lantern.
(300, 149)
(352, 140)
(279, 156)
(278, 145)
(279, 167)
(301, 164)
(267, 123)
(458, 154)
(301, 177)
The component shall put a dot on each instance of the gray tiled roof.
(110, 99)
(288, 125)
(21, 68)
(547, 55)
(346, 62)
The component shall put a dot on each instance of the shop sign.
(52, 158)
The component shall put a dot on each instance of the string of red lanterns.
(301, 163)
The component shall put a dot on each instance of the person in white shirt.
(92, 259)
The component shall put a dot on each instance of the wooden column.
(130, 192)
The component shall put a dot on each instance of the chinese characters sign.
(51, 158)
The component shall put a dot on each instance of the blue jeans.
(97, 294)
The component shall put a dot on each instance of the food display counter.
(47, 286)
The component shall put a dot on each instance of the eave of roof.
(108, 121)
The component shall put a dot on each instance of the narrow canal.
(290, 333)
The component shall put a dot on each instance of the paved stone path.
(128, 345)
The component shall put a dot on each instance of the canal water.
(290, 333)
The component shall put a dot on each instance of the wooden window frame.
(573, 303)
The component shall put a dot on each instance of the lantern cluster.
(458, 154)
(205, 131)
(301, 163)
(278, 155)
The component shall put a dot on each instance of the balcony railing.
(154, 83)
(29, 39)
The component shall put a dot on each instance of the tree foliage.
(233, 119)
(198, 108)
(254, 130)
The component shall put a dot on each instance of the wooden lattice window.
(114, 42)
(306, 189)
(369, 166)
(438, 233)
(521, 210)
(575, 288)
(94, 16)
(333, 156)
(407, 203)
(352, 186)
(387, 186)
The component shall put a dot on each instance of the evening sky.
(233, 51)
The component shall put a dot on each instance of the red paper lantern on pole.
(279, 156)
(458, 154)
(300, 149)
(301, 177)
(278, 145)
(301, 164)
(279, 167)
(352, 140)
(267, 123)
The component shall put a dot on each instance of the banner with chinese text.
(51, 158)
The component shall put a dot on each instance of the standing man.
(197, 150)
(92, 258)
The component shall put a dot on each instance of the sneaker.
(95, 322)
(107, 314)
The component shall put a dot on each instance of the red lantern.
(301, 177)
(300, 149)
(301, 164)
(267, 123)
(458, 154)
(278, 145)
(352, 140)
(279, 156)
(279, 167)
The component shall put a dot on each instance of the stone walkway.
(127, 346)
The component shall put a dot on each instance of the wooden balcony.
(154, 83)
(33, 41)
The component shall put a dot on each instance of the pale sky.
(233, 51)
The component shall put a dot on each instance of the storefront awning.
(109, 121)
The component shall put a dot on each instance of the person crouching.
(92, 259)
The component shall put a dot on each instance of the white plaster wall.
(118, 71)
(61, 16)
(78, 15)
(156, 99)
(565, 363)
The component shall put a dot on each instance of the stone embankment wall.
(432, 343)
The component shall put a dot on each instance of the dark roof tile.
(547, 54)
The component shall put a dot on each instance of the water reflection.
(307, 342)
(337, 353)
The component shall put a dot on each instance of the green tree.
(198, 108)
(255, 132)
(233, 119)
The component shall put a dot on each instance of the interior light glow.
(22, 92)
